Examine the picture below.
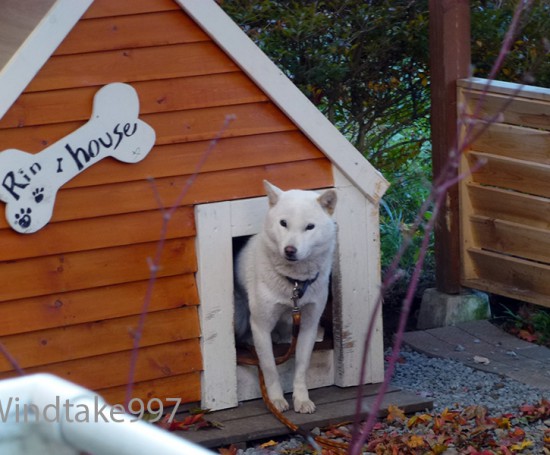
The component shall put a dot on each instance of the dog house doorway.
(223, 383)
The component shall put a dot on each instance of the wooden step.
(252, 421)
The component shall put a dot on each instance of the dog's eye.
(310, 226)
(283, 223)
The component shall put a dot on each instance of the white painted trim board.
(355, 292)
(250, 58)
(35, 51)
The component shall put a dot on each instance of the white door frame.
(356, 279)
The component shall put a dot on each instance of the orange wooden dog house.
(72, 292)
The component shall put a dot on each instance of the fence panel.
(505, 196)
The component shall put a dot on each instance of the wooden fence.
(505, 198)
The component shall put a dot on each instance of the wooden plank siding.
(101, 337)
(108, 8)
(177, 94)
(503, 172)
(111, 370)
(515, 142)
(511, 109)
(94, 304)
(505, 197)
(514, 239)
(513, 206)
(73, 292)
(95, 268)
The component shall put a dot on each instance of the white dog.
(295, 248)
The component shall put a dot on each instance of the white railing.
(43, 414)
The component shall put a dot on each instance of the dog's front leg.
(311, 314)
(261, 332)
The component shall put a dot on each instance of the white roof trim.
(506, 88)
(37, 49)
(64, 14)
(223, 30)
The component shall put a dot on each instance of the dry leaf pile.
(470, 431)
(196, 420)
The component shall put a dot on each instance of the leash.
(298, 291)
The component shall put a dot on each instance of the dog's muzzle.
(290, 253)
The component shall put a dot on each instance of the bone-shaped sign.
(29, 182)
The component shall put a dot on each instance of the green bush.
(366, 66)
(529, 58)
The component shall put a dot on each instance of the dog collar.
(300, 286)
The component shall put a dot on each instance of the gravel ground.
(451, 385)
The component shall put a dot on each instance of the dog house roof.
(31, 30)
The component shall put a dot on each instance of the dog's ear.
(328, 201)
(272, 193)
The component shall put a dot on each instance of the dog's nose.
(290, 252)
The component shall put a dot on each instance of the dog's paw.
(280, 404)
(304, 406)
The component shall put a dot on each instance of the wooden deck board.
(252, 421)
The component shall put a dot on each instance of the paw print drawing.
(38, 195)
(23, 218)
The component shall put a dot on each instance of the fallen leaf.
(517, 434)
(522, 445)
(439, 449)
(416, 441)
(451, 415)
(503, 422)
(481, 360)
(325, 452)
(527, 336)
(378, 426)
(191, 422)
(419, 419)
(394, 413)
(231, 450)
(267, 444)
(336, 432)
(399, 359)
